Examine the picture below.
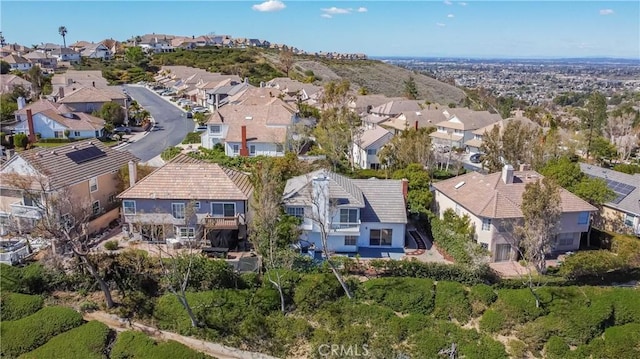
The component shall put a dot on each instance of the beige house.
(89, 99)
(459, 126)
(87, 169)
(9, 82)
(493, 202)
(475, 143)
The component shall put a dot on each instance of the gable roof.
(468, 119)
(627, 195)
(503, 123)
(92, 94)
(489, 197)
(15, 59)
(8, 80)
(189, 178)
(393, 108)
(379, 200)
(79, 122)
(373, 136)
(37, 107)
(61, 170)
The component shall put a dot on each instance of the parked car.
(124, 129)
(199, 109)
(476, 158)
(189, 114)
(201, 128)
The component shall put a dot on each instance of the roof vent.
(248, 118)
(74, 147)
(459, 185)
(53, 152)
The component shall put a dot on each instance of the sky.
(469, 29)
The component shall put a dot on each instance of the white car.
(200, 109)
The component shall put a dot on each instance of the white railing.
(345, 226)
(20, 210)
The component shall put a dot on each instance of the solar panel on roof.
(621, 189)
(86, 154)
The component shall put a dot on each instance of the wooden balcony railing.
(221, 222)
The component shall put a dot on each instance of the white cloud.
(440, 24)
(326, 16)
(606, 12)
(336, 10)
(362, 9)
(448, 2)
(462, 3)
(450, 16)
(269, 6)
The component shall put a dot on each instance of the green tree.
(411, 146)
(134, 55)
(419, 196)
(567, 174)
(593, 190)
(7, 107)
(492, 149)
(112, 113)
(34, 75)
(4, 67)
(602, 150)
(410, 89)
(62, 30)
(593, 118)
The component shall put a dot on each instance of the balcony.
(345, 227)
(20, 210)
(216, 223)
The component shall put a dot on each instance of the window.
(76, 133)
(380, 237)
(27, 200)
(350, 240)
(129, 207)
(348, 215)
(219, 209)
(196, 205)
(583, 218)
(187, 232)
(58, 134)
(296, 211)
(214, 128)
(564, 239)
(95, 207)
(628, 220)
(371, 152)
(112, 198)
(503, 226)
(486, 224)
(177, 210)
(93, 184)
(236, 149)
(252, 150)
(67, 220)
(279, 148)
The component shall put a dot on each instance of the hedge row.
(87, 341)
(26, 334)
(16, 306)
(136, 345)
(436, 271)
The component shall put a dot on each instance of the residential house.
(156, 43)
(358, 216)
(17, 62)
(413, 119)
(48, 47)
(96, 51)
(224, 91)
(80, 45)
(188, 199)
(15, 49)
(474, 144)
(250, 129)
(88, 169)
(493, 204)
(89, 99)
(367, 146)
(42, 59)
(395, 107)
(362, 104)
(60, 122)
(66, 54)
(9, 82)
(114, 46)
(295, 90)
(459, 126)
(73, 80)
(621, 214)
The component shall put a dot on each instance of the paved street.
(171, 124)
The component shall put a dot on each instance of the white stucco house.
(360, 216)
(62, 123)
(367, 146)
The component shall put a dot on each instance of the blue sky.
(378, 28)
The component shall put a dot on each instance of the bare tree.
(286, 60)
(64, 220)
(619, 130)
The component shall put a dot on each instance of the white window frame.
(583, 218)
(186, 232)
(296, 211)
(235, 149)
(279, 148)
(486, 224)
(93, 184)
(562, 239)
(372, 151)
(126, 206)
(223, 204)
(252, 150)
(349, 211)
(196, 205)
(350, 240)
(95, 210)
(175, 210)
(389, 231)
(58, 134)
(215, 129)
(112, 198)
(629, 219)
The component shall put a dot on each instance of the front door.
(503, 252)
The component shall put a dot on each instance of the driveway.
(171, 126)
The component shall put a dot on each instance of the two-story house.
(61, 122)
(9, 82)
(251, 128)
(187, 200)
(96, 51)
(17, 62)
(622, 213)
(475, 143)
(89, 99)
(459, 126)
(42, 59)
(367, 145)
(66, 54)
(358, 216)
(86, 170)
(493, 202)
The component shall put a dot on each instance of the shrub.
(590, 264)
(315, 290)
(20, 140)
(87, 341)
(481, 296)
(492, 321)
(626, 305)
(170, 152)
(16, 306)
(111, 245)
(88, 306)
(622, 342)
(405, 295)
(519, 305)
(26, 334)
(137, 345)
(436, 271)
(517, 349)
(452, 302)
(627, 248)
(556, 348)
(192, 137)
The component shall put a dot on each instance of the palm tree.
(62, 30)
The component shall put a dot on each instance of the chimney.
(246, 80)
(133, 173)
(405, 189)
(21, 102)
(32, 130)
(525, 167)
(9, 153)
(244, 150)
(60, 93)
(507, 174)
(416, 125)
